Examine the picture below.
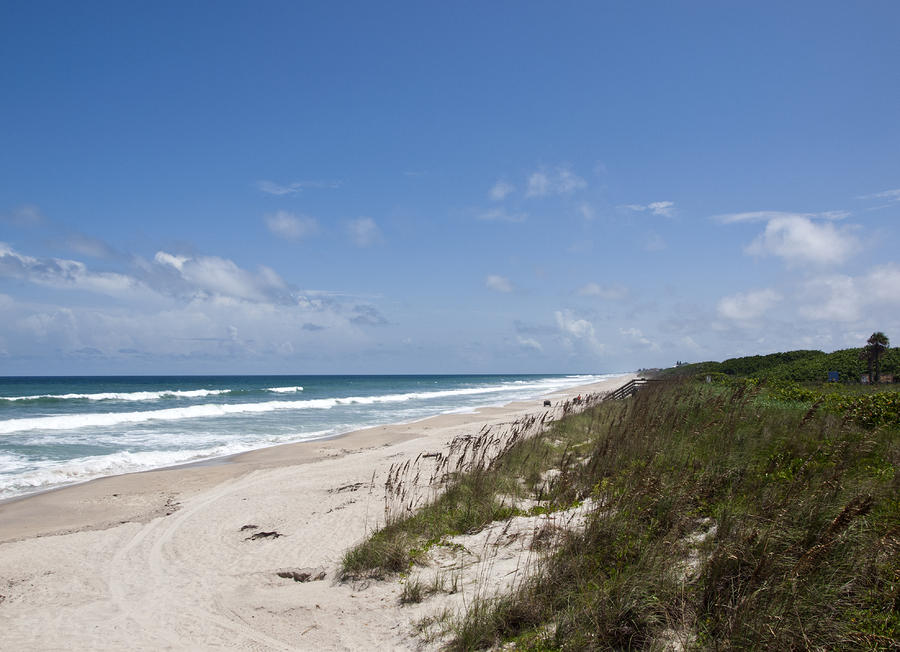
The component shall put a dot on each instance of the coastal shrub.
(739, 515)
(725, 520)
(863, 406)
(795, 366)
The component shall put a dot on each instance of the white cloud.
(164, 258)
(500, 215)
(570, 325)
(587, 211)
(765, 216)
(835, 298)
(270, 278)
(638, 338)
(664, 208)
(290, 226)
(498, 283)
(689, 342)
(205, 328)
(568, 182)
(279, 190)
(575, 330)
(212, 275)
(748, 306)
(846, 298)
(366, 315)
(891, 195)
(87, 246)
(538, 185)
(661, 208)
(500, 190)
(799, 240)
(529, 343)
(364, 232)
(179, 306)
(272, 188)
(608, 292)
(882, 284)
(63, 274)
(27, 215)
(562, 181)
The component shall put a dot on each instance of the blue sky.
(286, 187)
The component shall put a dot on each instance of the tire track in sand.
(167, 599)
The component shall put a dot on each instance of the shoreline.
(56, 518)
(162, 559)
(224, 458)
(236, 456)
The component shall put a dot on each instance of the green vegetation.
(415, 590)
(797, 366)
(872, 353)
(477, 489)
(869, 408)
(728, 520)
(737, 514)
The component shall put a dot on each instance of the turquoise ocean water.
(60, 430)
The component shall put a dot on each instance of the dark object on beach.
(356, 486)
(264, 535)
(249, 527)
(302, 574)
(171, 506)
(547, 404)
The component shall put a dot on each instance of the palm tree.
(875, 347)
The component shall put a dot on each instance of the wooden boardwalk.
(630, 388)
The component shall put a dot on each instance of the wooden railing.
(630, 388)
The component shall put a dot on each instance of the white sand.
(158, 560)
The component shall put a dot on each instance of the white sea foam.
(10, 462)
(46, 474)
(207, 410)
(183, 443)
(124, 396)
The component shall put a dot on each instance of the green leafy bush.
(873, 409)
(795, 366)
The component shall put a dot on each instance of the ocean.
(56, 431)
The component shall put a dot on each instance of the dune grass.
(725, 522)
(477, 482)
(726, 519)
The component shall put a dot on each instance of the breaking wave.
(207, 410)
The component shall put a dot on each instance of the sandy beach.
(167, 559)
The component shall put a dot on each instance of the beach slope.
(189, 558)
